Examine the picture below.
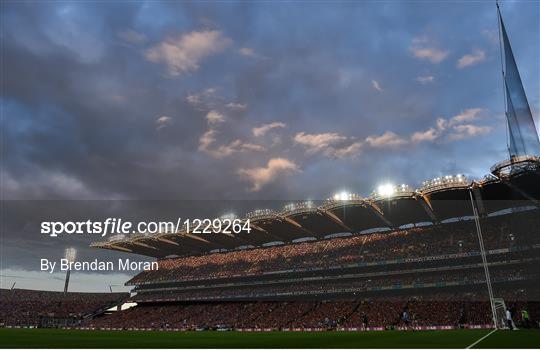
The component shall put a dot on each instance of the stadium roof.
(390, 208)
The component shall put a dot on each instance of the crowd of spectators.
(428, 241)
(312, 287)
(442, 309)
(218, 302)
(22, 307)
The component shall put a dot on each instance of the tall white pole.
(70, 255)
(484, 259)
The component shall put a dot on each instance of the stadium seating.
(434, 272)
(18, 306)
(376, 247)
(426, 311)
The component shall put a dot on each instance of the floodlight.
(70, 254)
(342, 196)
(230, 216)
(386, 190)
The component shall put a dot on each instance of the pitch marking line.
(479, 340)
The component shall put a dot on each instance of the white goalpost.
(500, 313)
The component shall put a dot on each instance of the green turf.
(53, 338)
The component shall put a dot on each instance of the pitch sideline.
(479, 340)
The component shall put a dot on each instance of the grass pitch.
(54, 338)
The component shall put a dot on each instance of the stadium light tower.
(386, 190)
(70, 254)
(342, 196)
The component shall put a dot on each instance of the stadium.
(440, 265)
(351, 283)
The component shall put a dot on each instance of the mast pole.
(499, 19)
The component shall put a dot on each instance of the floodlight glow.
(230, 216)
(386, 190)
(342, 196)
(290, 207)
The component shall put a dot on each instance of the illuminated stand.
(70, 255)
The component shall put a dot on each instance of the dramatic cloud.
(235, 146)
(351, 150)
(466, 116)
(249, 146)
(48, 181)
(376, 85)
(335, 145)
(455, 128)
(263, 129)
(473, 58)
(387, 140)
(425, 79)
(210, 99)
(261, 176)
(318, 142)
(441, 123)
(423, 48)
(162, 122)
(184, 53)
(208, 140)
(204, 100)
(461, 132)
(430, 134)
(236, 106)
(329, 144)
(433, 55)
(214, 117)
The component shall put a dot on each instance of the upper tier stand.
(516, 165)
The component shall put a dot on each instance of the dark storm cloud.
(82, 102)
(92, 109)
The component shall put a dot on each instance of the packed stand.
(325, 286)
(429, 241)
(444, 310)
(22, 307)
